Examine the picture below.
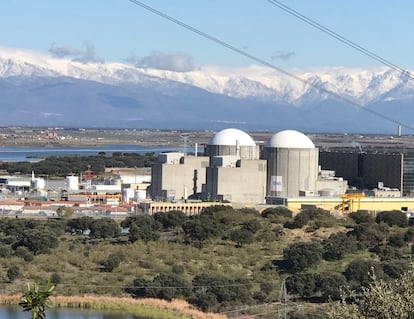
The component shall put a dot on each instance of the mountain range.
(40, 90)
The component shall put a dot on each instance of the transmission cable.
(339, 37)
(268, 64)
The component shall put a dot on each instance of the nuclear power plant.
(235, 169)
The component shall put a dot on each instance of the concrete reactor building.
(292, 165)
(235, 172)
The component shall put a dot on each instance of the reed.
(145, 308)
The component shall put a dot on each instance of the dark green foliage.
(23, 252)
(392, 218)
(220, 291)
(39, 240)
(252, 226)
(177, 269)
(241, 237)
(395, 268)
(16, 227)
(359, 273)
(142, 227)
(5, 251)
(369, 235)
(337, 245)
(318, 216)
(267, 287)
(64, 165)
(397, 240)
(170, 220)
(203, 226)
(104, 228)
(279, 214)
(409, 235)
(302, 284)
(302, 255)
(112, 262)
(13, 272)
(330, 285)
(386, 252)
(361, 217)
(55, 279)
(164, 286)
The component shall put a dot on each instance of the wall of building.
(244, 152)
(179, 180)
(290, 171)
(386, 168)
(345, 164)
(242, 184)
(365, 170)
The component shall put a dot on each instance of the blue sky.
(118, 30)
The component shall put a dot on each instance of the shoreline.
(174, 309)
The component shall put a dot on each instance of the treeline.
(314, 269)
(61, 166)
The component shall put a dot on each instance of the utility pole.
(283, 298)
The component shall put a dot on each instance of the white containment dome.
(290, 139)
(232, 136)
(232, 141)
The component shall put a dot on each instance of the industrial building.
(235, 169)
(176, 176)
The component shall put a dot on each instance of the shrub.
(359, 273)
(392, 218)
(112, 262)
(361, 217)
(278, 214)
(13, 272)
(337, 245)
(302, 255)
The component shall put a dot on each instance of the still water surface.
(27, 153)
(15, 312)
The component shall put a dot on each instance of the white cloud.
(171, 61)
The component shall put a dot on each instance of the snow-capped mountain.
(37, 89)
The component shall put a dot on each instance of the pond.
(15, 312)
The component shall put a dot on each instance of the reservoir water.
(15, 312)
(32, 154)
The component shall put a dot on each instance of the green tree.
(302, 255)
(278, 214)
(39, 240)
(392, 218)
(381, 300)
(13, 272)
(171, 219)
(241, 237)
(337, 245)
(104, 228)
(330, 285)
(358, 273)
(36, 298)
(112, 262)
(361, 217)
(302, 284)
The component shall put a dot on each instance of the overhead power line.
(268, 64)
(340, 38)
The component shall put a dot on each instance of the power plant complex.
(287, 169)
